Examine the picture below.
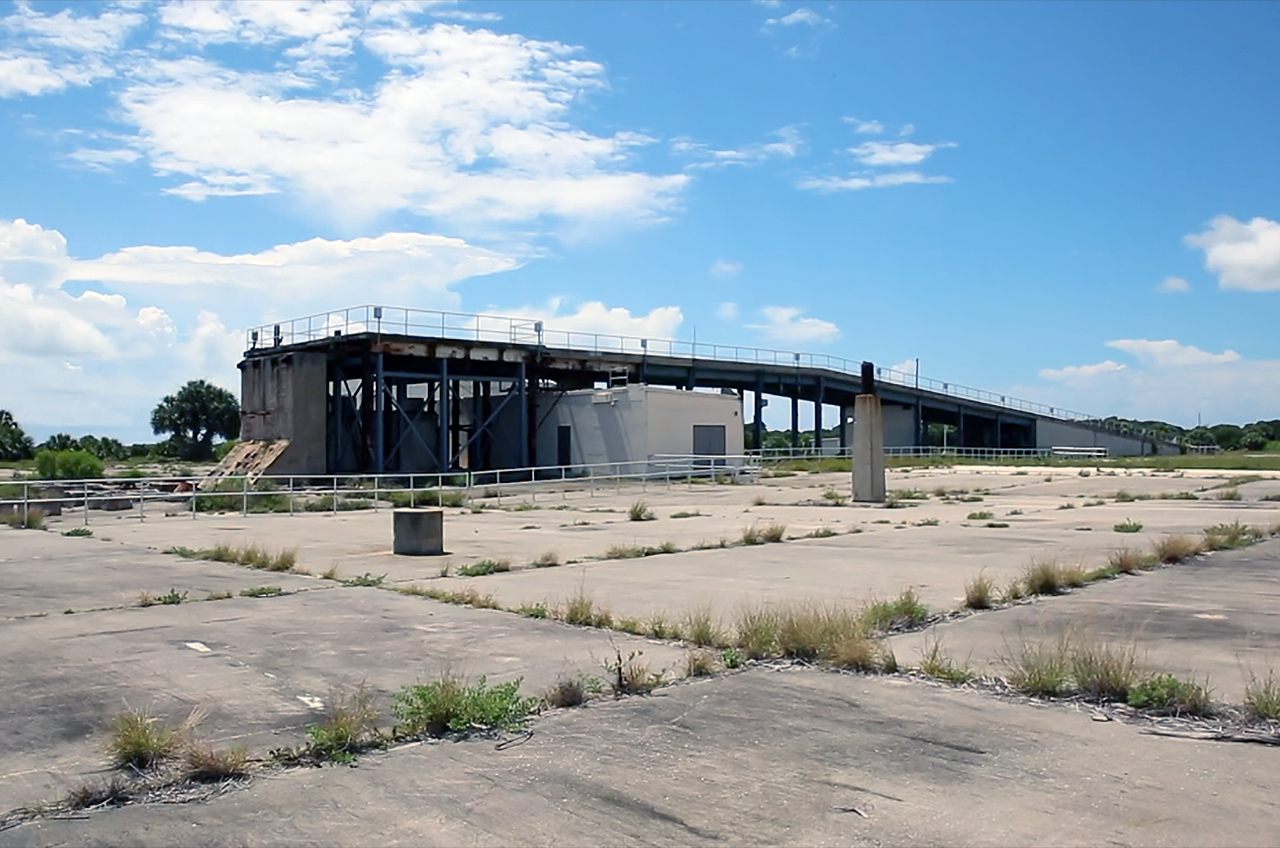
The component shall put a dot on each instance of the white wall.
(286, 397)
(1062, 434)
(673, 414)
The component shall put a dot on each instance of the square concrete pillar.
(418, 532)
(868, 450)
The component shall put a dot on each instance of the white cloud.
(592, 317)
(469, 125)
(1244, 256)
(803, 15)
(725, 268)
(1078, 373)
(102, 357)
(1172, 382)
(864, 127)
(407, 267)
(1173, 284)
(858, 182)
(785, 324)
(907, 129)
(1168, 353)
(894, 153)
(788, 144)
(727, 311)
(446, 121)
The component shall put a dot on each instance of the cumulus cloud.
(104, 351)
(857, 182)
(1167, 353)
(1244, 255)
(893, 153)
(1170, 285)
(353, 109)
(725, 268)
(662, 322)
(787, 324)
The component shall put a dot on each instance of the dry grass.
(1176, 548)
(1129, 561)
(1101, 671)
(348, 727)
(1262, 697)
(901, 612)
(1037, 669)
(979, 592)
(936, 663)
(1227, 536)
(204, 764)
(1043, 577)
(567, 692)
(550, 559)
(701, 663)
(658, 626)
(758, 632)
(137, 739)
(702, 628)
(640, 511)
(581, 610)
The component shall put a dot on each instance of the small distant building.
(635, 423)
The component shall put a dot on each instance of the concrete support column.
(868, 450)
(523, 413)
(795, 419)
(960, 427)
(817, 416)
(757, 427)
(846, 424)
(442, 417)
(379, 420)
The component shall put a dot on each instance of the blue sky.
(1075, 203)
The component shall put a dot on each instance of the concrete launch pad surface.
(766, 755)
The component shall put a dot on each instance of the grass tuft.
(260, 592)
(902, 612)
(349, 726)
(1043, 577)
(1228, 536)
(703, 629)
(701, 663)
(640, 511)
(566, 692)
(204, 764)
(1129, 561)
(936, 663)
(550, 559)
(1127, 526)
(980, 515)
(139, 740)
(483, 567)
(1176, 548)
(1262, 697)
(978, 592)
(1038, 670)
(78, 531)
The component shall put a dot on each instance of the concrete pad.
(44, 573)
(1216, 616)
(773, 758)
(262, 667)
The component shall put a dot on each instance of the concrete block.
(868, 450)
(418, 532)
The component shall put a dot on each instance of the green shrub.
(1262, 697)
(349, 726)
(450, 705)
(981, 515)
(1127, 526)
(483, 567)
(78, 531)
(67, 465)
(904, 611)
(260, 591)
(1168, 694)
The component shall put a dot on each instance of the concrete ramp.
(250, 458)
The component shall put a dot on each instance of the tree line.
(193, 418)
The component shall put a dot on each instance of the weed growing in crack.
(205, 764)
(139, 740)
(1127, 526)
(936, 663)
(349, 726)
(702, 629)
(451, 705)
(550, 559)
(906, 610)
(1172, 696)
(483, 567)
(261, 592)
(700, 663)
(1176, 548)
(1262, 697)
(979, 592)
(631, 676)
(640, 511)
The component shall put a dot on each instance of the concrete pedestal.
(868, 450)
(418, 532)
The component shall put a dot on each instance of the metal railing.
(479, 327)
(177, 495)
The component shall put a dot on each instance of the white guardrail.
(471, 326)
(177, 494)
